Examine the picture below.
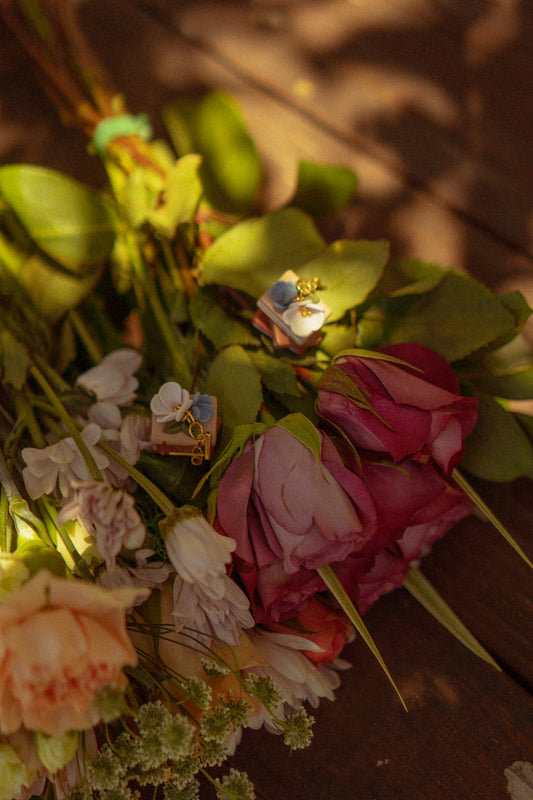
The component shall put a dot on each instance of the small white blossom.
(220, 609)
(171, 403)
(112, 380)
(61, 461)
(109, 515)
(295, 676)
(197, 552)
(127, 435)
(304, 317)
(146, 574)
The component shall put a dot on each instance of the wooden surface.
(429, 101)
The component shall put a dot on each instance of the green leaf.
(277, 374)
(404, 276)
(182, 192)
(456, 318)
(214, 128)
(337, 337)
(490, 516)
(514, 386)
(422, 590)
(67, 221)
(213, 321)
(15, 360)
(253, 254)
(323, 189)
(339, 593)
(349, 271)
(235, 381)
(304, 430)
(497, 449)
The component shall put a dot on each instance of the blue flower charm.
(202, 408)
(283, 293)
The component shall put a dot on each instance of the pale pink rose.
(61, 641)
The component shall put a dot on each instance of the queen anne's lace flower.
(108, 514)
(197, 552)
(60, 461)
(219, 609)
(112, 380)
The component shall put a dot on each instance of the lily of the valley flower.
(197, 552)
(112, 380)
(60, 461)
(108, 514)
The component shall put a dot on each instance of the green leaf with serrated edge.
(182, 193)
(421, 589)
(235, 446)
(456, 318)
(254, 253)
(339, 593)
(234, 380)
(323, 189)
(404, 276)
(277, 374)
(304, 431)
(220, 327)
(15, 360)
(497, 449)
(214, 128)
(66, 220)
(488, 514)
(348, 271)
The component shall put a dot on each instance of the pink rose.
(61, 641)
(290, 515)
(415, 507)
(414, 411)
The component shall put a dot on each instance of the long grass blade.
(491, 517)
(337, 589)
(422, 590)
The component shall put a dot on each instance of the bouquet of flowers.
(222, 440)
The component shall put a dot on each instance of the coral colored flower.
(325, 627)
(112, 380)
(61, 461)
(61, 641)
(290, 515)
(109, 515)
(413, 411)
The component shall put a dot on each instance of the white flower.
(304, 317)
(296, 677)
(171, 403)
(112, 380)
(197, 552)
(127, 435)
(219, 610)
(109, 515)
(60, 461)
(146, 574)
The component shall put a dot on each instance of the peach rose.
(61, 641)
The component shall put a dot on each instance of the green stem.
(87, 339)
(490, 516)
(168, 332)
(159, 498)
(70, 425)
(6, 529)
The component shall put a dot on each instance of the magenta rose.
(413, 409)
(290, 515)
(416, 506)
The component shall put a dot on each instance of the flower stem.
(68, 421)
(159, 497)
(83, 332)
